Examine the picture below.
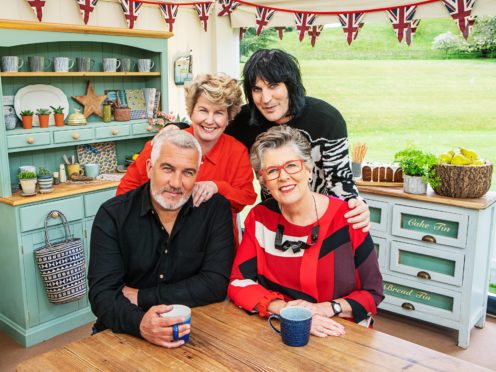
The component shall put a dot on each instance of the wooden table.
(225, 338)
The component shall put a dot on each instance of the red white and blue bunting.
(352, 23)
(203, 9)
(228, 6)
(460, 12)
(263, 17)
(314, 33)
(37, 6)
(304, 21)
(131, 11)
(402, 20)
(169, 11)
(86, 7)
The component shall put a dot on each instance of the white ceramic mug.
(111, 64)
(12, 63)
(145, 65)
(62, 64)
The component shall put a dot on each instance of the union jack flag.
(202, 9)
(169, 11)
(263, 16)
(412, 30)
(402, 18)
(280, 31)
(303, 23)
(228, 6)
(131, 9)
(37, 6)
(314, 33)
(460, 12)
(86, 7)
(352, 23)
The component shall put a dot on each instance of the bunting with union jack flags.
(402, 19)
(37, 6)
(314, 33)
(413, 28)
(460, 12)
(280, 31)
(203, 9)
(352, 23)
(169, 11)
(86, 7)
(131, 9)
(303, 23)
(228, 6)
(263, 17)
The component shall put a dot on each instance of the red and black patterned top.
(342, 263)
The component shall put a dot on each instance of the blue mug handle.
(175, 332)
(274, 316)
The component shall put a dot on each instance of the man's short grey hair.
(276, 137)
(179, 138)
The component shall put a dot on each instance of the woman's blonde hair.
(219, 88)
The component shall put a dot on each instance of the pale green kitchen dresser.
(25, 312)
(434, 254)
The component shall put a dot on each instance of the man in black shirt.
(151, 248)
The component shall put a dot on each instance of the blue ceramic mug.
(179, 310)
(296, 322)
(92, 170)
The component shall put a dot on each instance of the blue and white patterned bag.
(62, 265)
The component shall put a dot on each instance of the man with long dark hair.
(276, 95)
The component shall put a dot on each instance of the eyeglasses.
(290, 167)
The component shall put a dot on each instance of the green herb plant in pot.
(45, 180)
(418, 170)
(43, 117)
(58, 114)
(27, 119)
(28, 183)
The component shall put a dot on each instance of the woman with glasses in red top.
(298, 248)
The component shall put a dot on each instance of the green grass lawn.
(436, 105)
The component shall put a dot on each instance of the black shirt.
(325, 129)
(129, 246)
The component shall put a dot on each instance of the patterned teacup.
(12, 63)
(145, 65)
(62, 64)
(84, 64)
(38, 63)
(111, 64)
(126, 65)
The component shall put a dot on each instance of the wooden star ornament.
(91, 102)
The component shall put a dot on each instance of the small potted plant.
(28, 183)
(43, 116)
(58, 114)
(418, 170)
(27, 119)
(45, 180)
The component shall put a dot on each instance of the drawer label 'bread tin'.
(428, 225)
(418, 296)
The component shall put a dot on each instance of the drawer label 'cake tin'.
(418, 296)
(432, 226)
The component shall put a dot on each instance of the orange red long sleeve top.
(227, 164)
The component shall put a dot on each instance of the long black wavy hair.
(274, 66)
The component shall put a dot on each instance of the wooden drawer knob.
(30, 140)
(429, 239)
(424, 275)
(115, 132)
(75, 136)
(54, 214)
(408, 306)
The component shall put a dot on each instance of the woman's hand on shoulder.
(359, 215)
(323, 326)
(203, 191)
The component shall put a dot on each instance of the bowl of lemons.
(463, 174)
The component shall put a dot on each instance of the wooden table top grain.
(225, 338)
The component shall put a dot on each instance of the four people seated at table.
(151, 246)
(298, 248)
(211, 101)
(168, 236)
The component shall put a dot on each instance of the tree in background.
(483, 40)
(251, 42)
(446, 42)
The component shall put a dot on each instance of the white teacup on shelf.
(111, 64)
(145, 65)
(12, 63)
(62, 64)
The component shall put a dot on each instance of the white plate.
(34, 97)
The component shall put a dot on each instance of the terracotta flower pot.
(27, 122)
(43, 120)
(59, 120)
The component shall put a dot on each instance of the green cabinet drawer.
(420, 300)
(427, 264)
(113, 131)
(28, 140)
(143, 128)
(33, 216)
(73, 135)
(93, 201)
(379, 214)
(381, 250)
(431, 226)
(40, 310)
